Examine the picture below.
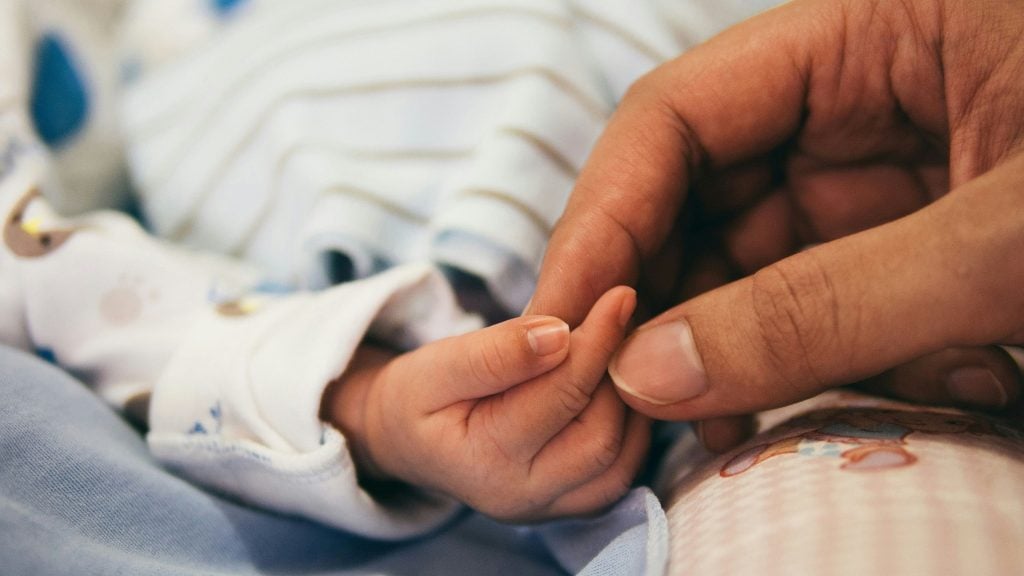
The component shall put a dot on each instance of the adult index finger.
(736, 97)
(945, 276)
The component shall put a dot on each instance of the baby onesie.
(276, 148)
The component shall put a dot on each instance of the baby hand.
(517, 420)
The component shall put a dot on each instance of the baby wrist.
(345, 405)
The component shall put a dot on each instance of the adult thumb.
(947, 275)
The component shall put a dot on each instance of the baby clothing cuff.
(237, 408)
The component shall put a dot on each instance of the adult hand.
(841, 123)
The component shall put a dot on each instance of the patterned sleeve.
(230, 372)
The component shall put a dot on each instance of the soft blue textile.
(630, 539)
(79, 494)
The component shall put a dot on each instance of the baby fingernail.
(977, 386)
(628, 307)
(660, 365)
(548, 336)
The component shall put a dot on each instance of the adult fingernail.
(660, 365)
(548, 336)
(976, 385)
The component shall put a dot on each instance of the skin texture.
(517, 433)
(888, 135)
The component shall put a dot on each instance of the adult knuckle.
(796, 312)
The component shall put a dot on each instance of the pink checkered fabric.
(876, 488)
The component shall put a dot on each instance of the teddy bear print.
(864, 439)
(25, 237)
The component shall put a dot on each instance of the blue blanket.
(80, 494)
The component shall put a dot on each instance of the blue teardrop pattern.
(60, 100)
(224, 7)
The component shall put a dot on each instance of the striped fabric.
(387, 131)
